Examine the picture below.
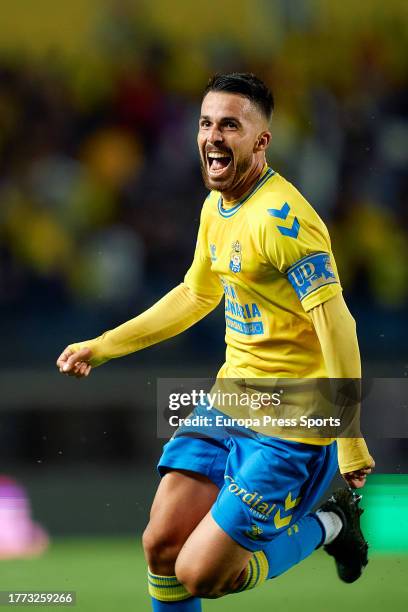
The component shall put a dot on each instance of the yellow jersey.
(270, 254)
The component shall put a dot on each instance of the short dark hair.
(245, 84)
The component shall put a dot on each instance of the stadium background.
(100, 193)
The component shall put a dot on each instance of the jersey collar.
(229, 212)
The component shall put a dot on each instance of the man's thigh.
(211, 563)
(182, 500)
(192, 472)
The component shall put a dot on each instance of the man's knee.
(204, 584)
(161, 549)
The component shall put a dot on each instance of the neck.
(246, 183)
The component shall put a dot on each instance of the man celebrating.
(262, 245)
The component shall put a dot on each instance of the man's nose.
(215, 135)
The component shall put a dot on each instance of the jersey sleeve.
(200, 278)
(296, 242)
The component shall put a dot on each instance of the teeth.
(214, 155)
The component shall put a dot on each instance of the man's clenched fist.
(75, 363)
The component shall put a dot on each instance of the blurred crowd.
(100, 184)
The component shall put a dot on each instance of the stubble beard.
(232, 181)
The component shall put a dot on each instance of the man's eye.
(231, 124)
(204, 124)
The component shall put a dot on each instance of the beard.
(229, 182)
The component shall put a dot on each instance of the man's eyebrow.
(223, 120)
(234, 119)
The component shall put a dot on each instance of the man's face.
(228, 139)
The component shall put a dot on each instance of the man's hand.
(75, 363)
(357, 479)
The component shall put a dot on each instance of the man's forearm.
(336, 330)
(174, 313)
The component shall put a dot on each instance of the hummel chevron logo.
(290, 231)
(291, 503)
(281, 521)
(282, 213)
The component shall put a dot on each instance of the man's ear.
(263, 141)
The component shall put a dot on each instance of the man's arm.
(186, 304)
(174, 313)
(336, 330)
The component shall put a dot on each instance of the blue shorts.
(266, 484)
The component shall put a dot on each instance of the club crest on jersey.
(254, 532)
(236, 257)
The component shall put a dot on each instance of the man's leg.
(211, 564)
(193, 469)
(183, 498)
(217, 557)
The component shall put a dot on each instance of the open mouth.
(218, 162)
